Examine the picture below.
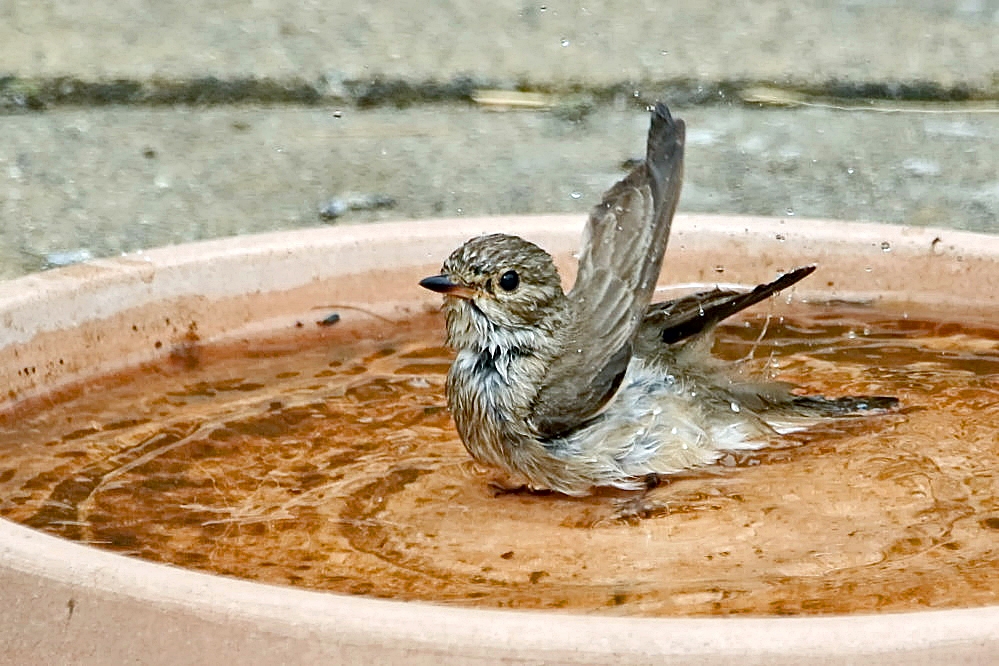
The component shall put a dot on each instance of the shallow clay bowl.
(67, 603)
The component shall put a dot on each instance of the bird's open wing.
(673, 321)
(622, 253)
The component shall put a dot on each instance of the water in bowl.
(325, 458)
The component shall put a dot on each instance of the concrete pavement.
(130, 124)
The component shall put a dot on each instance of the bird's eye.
(509, 280)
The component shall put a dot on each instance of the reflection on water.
(325, 459)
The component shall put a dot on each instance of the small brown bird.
(596, 387)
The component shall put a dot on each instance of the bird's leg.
(641, 506)
(500, 489)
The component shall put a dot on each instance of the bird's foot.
(642, 506)
(639, 508)
(499, 489)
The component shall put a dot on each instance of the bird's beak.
(442, 285)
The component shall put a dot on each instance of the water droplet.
(719, 269)
(461, 211)
(849, 170)
(868, 269)
(684, 446)
(735, 407)
(564, 42)
(781, 237)
(673, 430)
(789, 212)
(544, 8)
(575, 195)
(885, 246)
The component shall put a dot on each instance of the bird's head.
(499, 290)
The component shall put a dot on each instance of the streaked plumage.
(596, 387)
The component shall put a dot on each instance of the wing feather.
(675, 321)
(621, 257)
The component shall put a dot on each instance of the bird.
(599, 387)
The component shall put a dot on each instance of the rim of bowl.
(81, 597)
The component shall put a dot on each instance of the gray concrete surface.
(102, 171)
(126, 179)
(600, 41)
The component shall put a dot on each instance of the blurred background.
(129, 124)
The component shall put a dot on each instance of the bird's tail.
(784, 411)
(806, 411)
(817, 405)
